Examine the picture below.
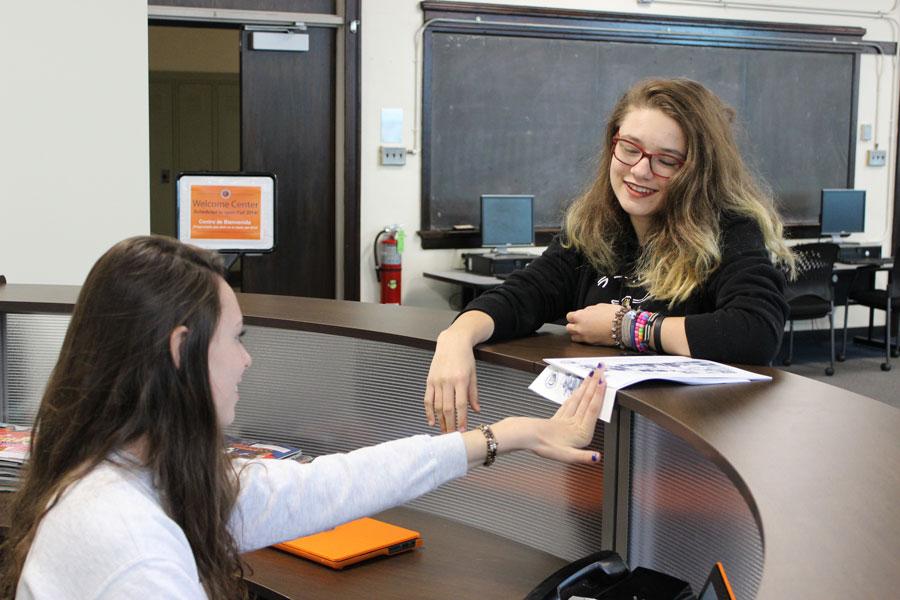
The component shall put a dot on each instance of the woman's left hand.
(560, 437)
(573, 425)
(592, 325)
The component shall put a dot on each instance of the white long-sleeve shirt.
(109, 538)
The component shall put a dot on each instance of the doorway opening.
(195, 113)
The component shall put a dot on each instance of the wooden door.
(195, 125)
(288, 128)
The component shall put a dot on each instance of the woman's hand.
(573, 425)
(451, 385)
(592, 325)
(557, 438)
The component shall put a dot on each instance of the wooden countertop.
(819, 466)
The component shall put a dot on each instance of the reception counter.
(793, 484)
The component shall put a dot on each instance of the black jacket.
(736, 316)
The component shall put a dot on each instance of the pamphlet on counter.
(563, 375)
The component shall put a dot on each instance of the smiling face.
(228, 359)
(640, 192)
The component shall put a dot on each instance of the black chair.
(811, 294)
(863, 291)
(2, 280)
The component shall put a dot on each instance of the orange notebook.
(353, 542)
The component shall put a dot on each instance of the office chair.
(863, 291)
(811, 294)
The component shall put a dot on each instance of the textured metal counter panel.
(33, 342)
(685, 514)
(327, 393)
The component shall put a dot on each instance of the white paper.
(560, 379)
(391, 125)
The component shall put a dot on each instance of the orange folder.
(353, 542)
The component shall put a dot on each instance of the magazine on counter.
(240, 448)
(562, 375)
(15, 442)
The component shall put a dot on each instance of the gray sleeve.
(282, 500)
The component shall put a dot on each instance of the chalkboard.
(518, 114)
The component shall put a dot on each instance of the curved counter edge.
(815, 463)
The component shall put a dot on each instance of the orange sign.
(221, 212)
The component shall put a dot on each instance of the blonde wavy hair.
(683, 245)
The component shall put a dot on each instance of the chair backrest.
(815, 267)
(2, 280)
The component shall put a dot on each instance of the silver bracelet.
(491, 445)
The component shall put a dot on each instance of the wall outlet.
(876, 158)
(394, 156)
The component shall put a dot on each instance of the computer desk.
(472, 284)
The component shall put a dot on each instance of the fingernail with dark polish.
(599, 381)
(599, 365)
(594, 457)
(591, 374)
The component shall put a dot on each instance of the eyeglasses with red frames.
(661, 164)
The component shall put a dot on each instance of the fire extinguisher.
(388, 264)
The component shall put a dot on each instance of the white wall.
(74, 142)
(392, 194)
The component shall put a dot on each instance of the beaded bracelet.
(641, 331)
(491, 444)
(617, 326)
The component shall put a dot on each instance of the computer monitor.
(843, 212)
(507, 220)
(228, 212)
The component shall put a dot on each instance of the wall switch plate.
(876, 158)
(394, 156)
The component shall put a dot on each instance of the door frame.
(346, 21)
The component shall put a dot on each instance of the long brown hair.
(116, 383)
(683, 245)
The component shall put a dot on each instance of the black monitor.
(507, 220)
(843, 212)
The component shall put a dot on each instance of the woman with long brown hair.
(128, 492)
(669, 250)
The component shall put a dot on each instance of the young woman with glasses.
(669, 250)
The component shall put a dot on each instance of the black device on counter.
(605, 576)
(849, 253)
(496, 264)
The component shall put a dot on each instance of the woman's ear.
(175, 340)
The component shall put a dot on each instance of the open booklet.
(563, 375)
